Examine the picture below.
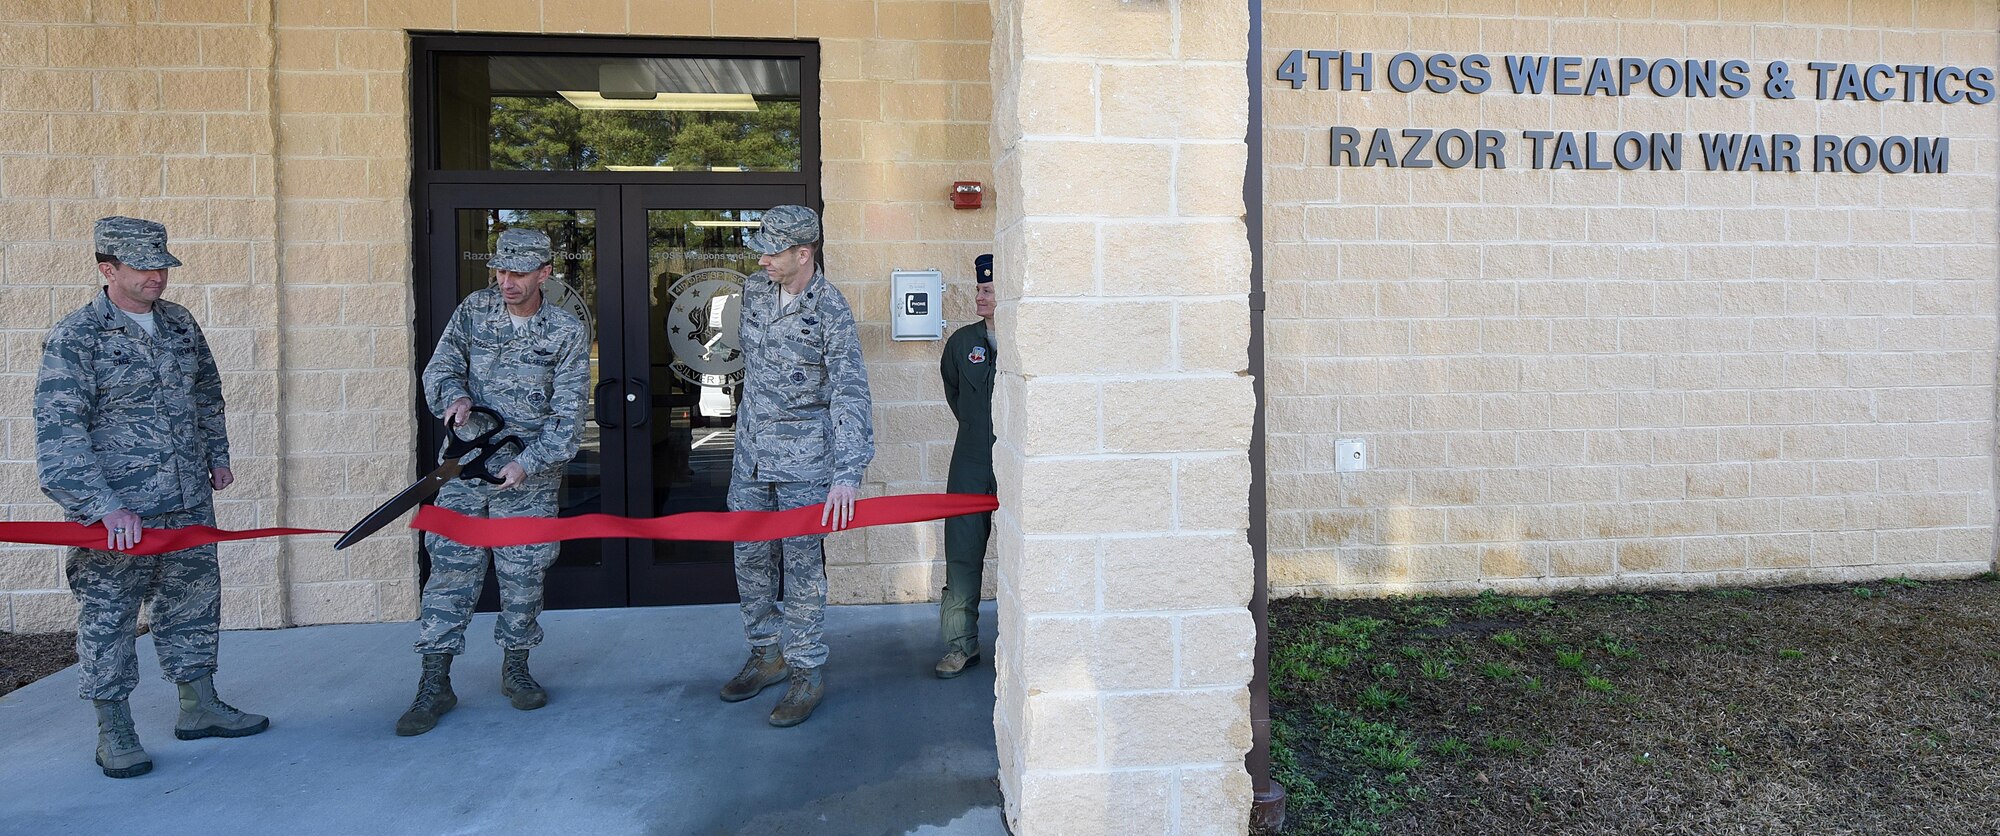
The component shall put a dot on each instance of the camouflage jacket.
(124, 419)
(535, 378)
(805, 413)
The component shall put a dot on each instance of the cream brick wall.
(273, 136)
(1124, 419)
(160, 112)
(1590, 379)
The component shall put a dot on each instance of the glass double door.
(656, 274)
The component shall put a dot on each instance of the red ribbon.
(726, 526)
(155, 540)
(731, 526)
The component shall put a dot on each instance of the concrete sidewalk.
(634, 739)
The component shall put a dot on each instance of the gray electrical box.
(916, 304)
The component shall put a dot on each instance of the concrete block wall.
(1124, 419)
(1602, 378)
(158, 111)
(274, 137)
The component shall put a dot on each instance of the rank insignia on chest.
(798, 377)
(978, 354)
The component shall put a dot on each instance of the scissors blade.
(411, 497)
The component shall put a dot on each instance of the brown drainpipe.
(1267, 809)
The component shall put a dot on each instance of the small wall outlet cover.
(1350, 455)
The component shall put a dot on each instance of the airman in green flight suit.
(967, 369)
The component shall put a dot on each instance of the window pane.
(607, 113)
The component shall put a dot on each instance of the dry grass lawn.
(1832, 709)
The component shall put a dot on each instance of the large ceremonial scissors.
(449, 467)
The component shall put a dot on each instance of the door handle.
(645, 401)
(603, 415)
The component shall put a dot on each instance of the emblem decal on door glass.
(701, 327)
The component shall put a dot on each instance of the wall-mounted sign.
(1534, 75)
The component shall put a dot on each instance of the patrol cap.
(784, 227)
(982, 269)
(520, 251)
(137, 243)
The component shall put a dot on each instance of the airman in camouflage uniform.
(803, 437)
(507, 351)
(129, 431)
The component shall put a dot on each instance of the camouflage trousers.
(182, 592)
(458, 570)
(801, 620)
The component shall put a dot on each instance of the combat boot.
(954, 664)
(118, 749)
(518, 685)
(434, 697)
(807, 688)
(203, 714)
(764, 669)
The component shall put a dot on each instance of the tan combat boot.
(203, 714)
(807, 688)
(954, 663)
(118, 749)
(766, 667)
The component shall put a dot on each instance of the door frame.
(615, 195)
(643, 576)
(565, 587)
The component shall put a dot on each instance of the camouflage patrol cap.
(136, 243)
(520, 251)
(784, 227)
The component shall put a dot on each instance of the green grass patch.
(1598, 683)
(1791, 654)
(1569, 659)
(1904, 582)
(1378, 698)
(1498, 671)
(1509, 639)
(1617, 647)
(1721, 759)
(1436, 670)
(1374, 759)
(1532, 606)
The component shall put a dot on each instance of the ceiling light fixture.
(731, 102)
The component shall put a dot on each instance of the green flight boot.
(807, 688)
(203, 714)
(118, 749)
(434, 697)
(765, 668)
(518, 685)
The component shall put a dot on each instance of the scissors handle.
(455, 447)
(477, 468)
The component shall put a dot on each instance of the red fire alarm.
(965, 194)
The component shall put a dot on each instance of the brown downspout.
(1267, 808)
